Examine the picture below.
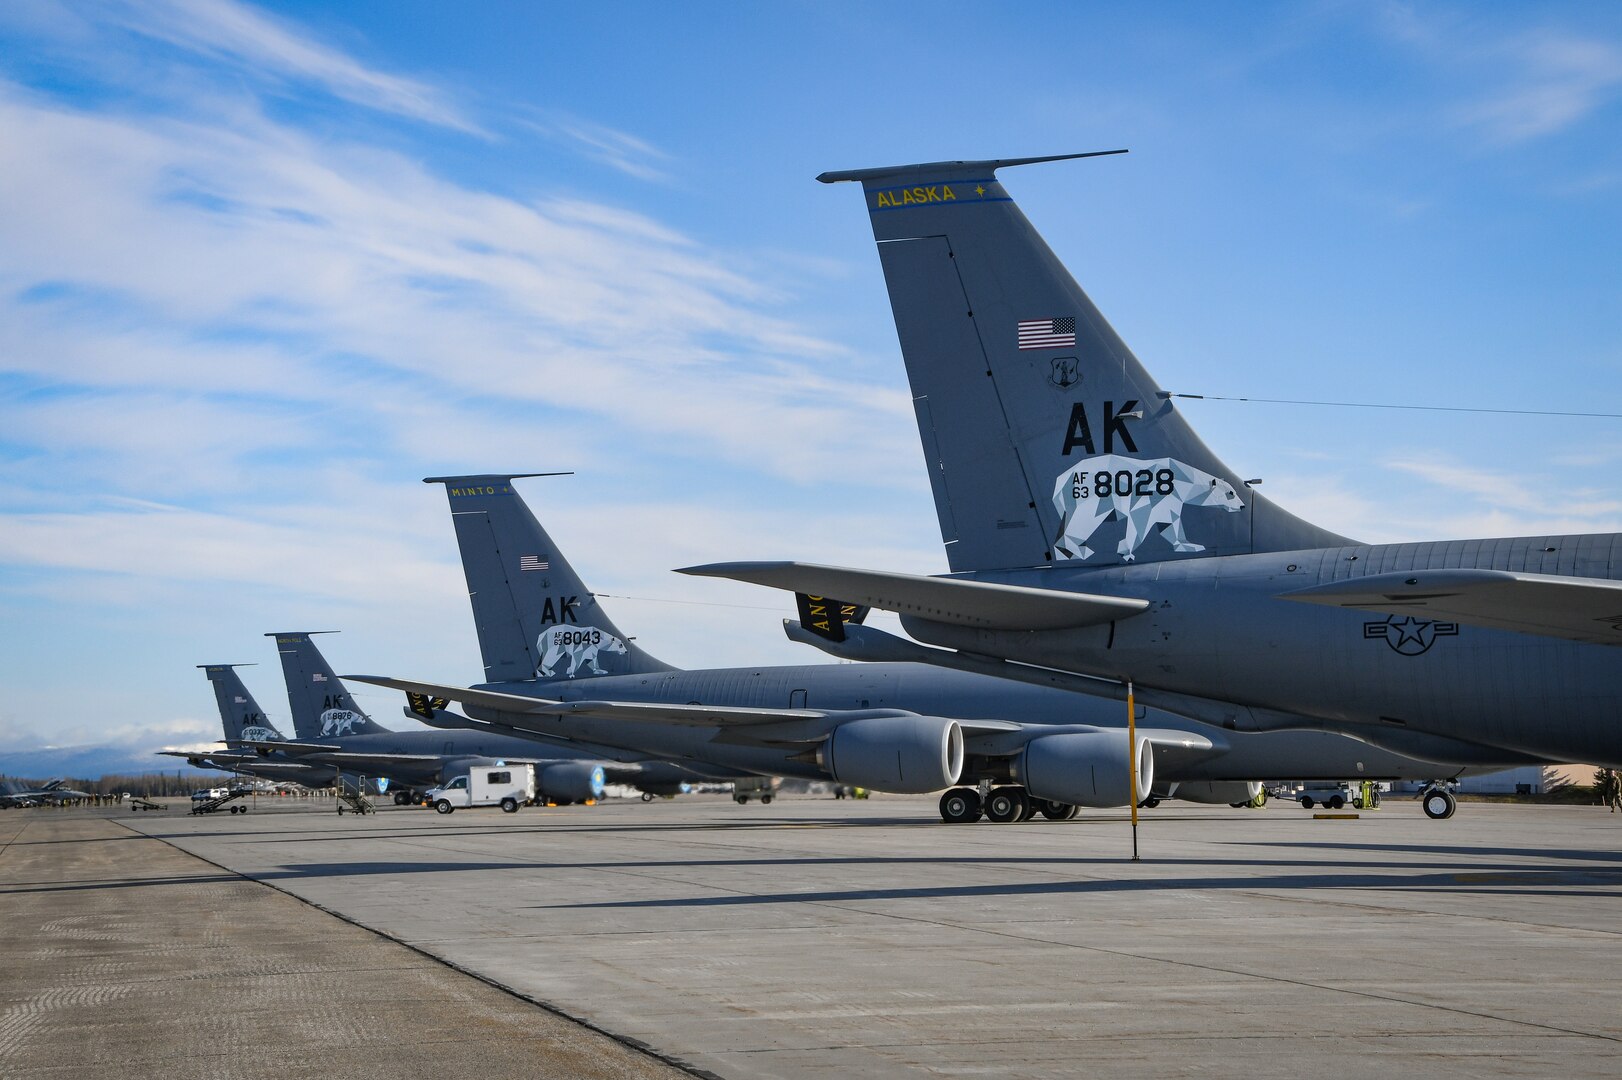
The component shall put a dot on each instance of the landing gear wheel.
(1440, 804)
(1006, 804)
(509, 805)
(960, 806)
(444, 806)
(1058, 811)
(1032, 808)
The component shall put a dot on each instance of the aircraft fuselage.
(936, 692)
(1217, 628)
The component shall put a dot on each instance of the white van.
(506, 786)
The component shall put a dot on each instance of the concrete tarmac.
(815, 937)
(123, 956)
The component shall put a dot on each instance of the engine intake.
(1218, 792)
(905, 754)
(1085, 768)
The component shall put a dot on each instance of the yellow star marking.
(979, 189)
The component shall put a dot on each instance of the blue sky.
(264, 267)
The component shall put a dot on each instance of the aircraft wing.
(292, 746)
(725, 716)
(225, 758)
(1577, 609)
(955, 601)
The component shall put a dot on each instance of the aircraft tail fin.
(322, 706)
(536, 619)
(1047, 441)
(240, 714)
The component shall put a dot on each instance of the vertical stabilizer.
(536, 619)
(321, 704)
(240, 714)
(1046, 439)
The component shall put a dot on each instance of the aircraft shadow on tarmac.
(1473, 881)
(1574, 855)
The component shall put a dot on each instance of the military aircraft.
(1089, 531)
(246, 727)
(557, 664)
(333, 730)
(50, 792)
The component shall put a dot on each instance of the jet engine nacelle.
(575, 781)
(1085, 768)
(907, 755)
(1218, 792)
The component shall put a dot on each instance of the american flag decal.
(1048, 333)
(240, 700)
(318, 677)
(534, 562)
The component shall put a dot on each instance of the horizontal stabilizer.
(1577, 609)
(988, 165)
(954, 601)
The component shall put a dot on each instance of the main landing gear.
(1438, 802)
(1004, 805)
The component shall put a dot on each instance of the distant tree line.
(179, 782)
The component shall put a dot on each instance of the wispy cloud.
(263, 47)
(618, 150)
(1556, 80)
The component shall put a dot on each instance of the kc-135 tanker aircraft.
(557, 666)
(334, 733)
(1091, 533)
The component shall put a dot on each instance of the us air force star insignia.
(1408, 635)
(980, 189)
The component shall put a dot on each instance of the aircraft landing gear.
(1057, 811)
(1439, 803)
(960, 806)
(1006, 804)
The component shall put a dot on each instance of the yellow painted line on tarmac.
(1335, 817)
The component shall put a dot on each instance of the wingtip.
(728, 569)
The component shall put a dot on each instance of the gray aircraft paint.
(321, 705)
(317, 695)
(535, 617)
(242, 718)
(495, 530)
(1006, 428)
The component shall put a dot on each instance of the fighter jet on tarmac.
(556, 664)
(1091, 532)
(50, 792)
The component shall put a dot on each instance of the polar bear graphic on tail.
(578, 645)
(339, 722)
(1148, 493)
